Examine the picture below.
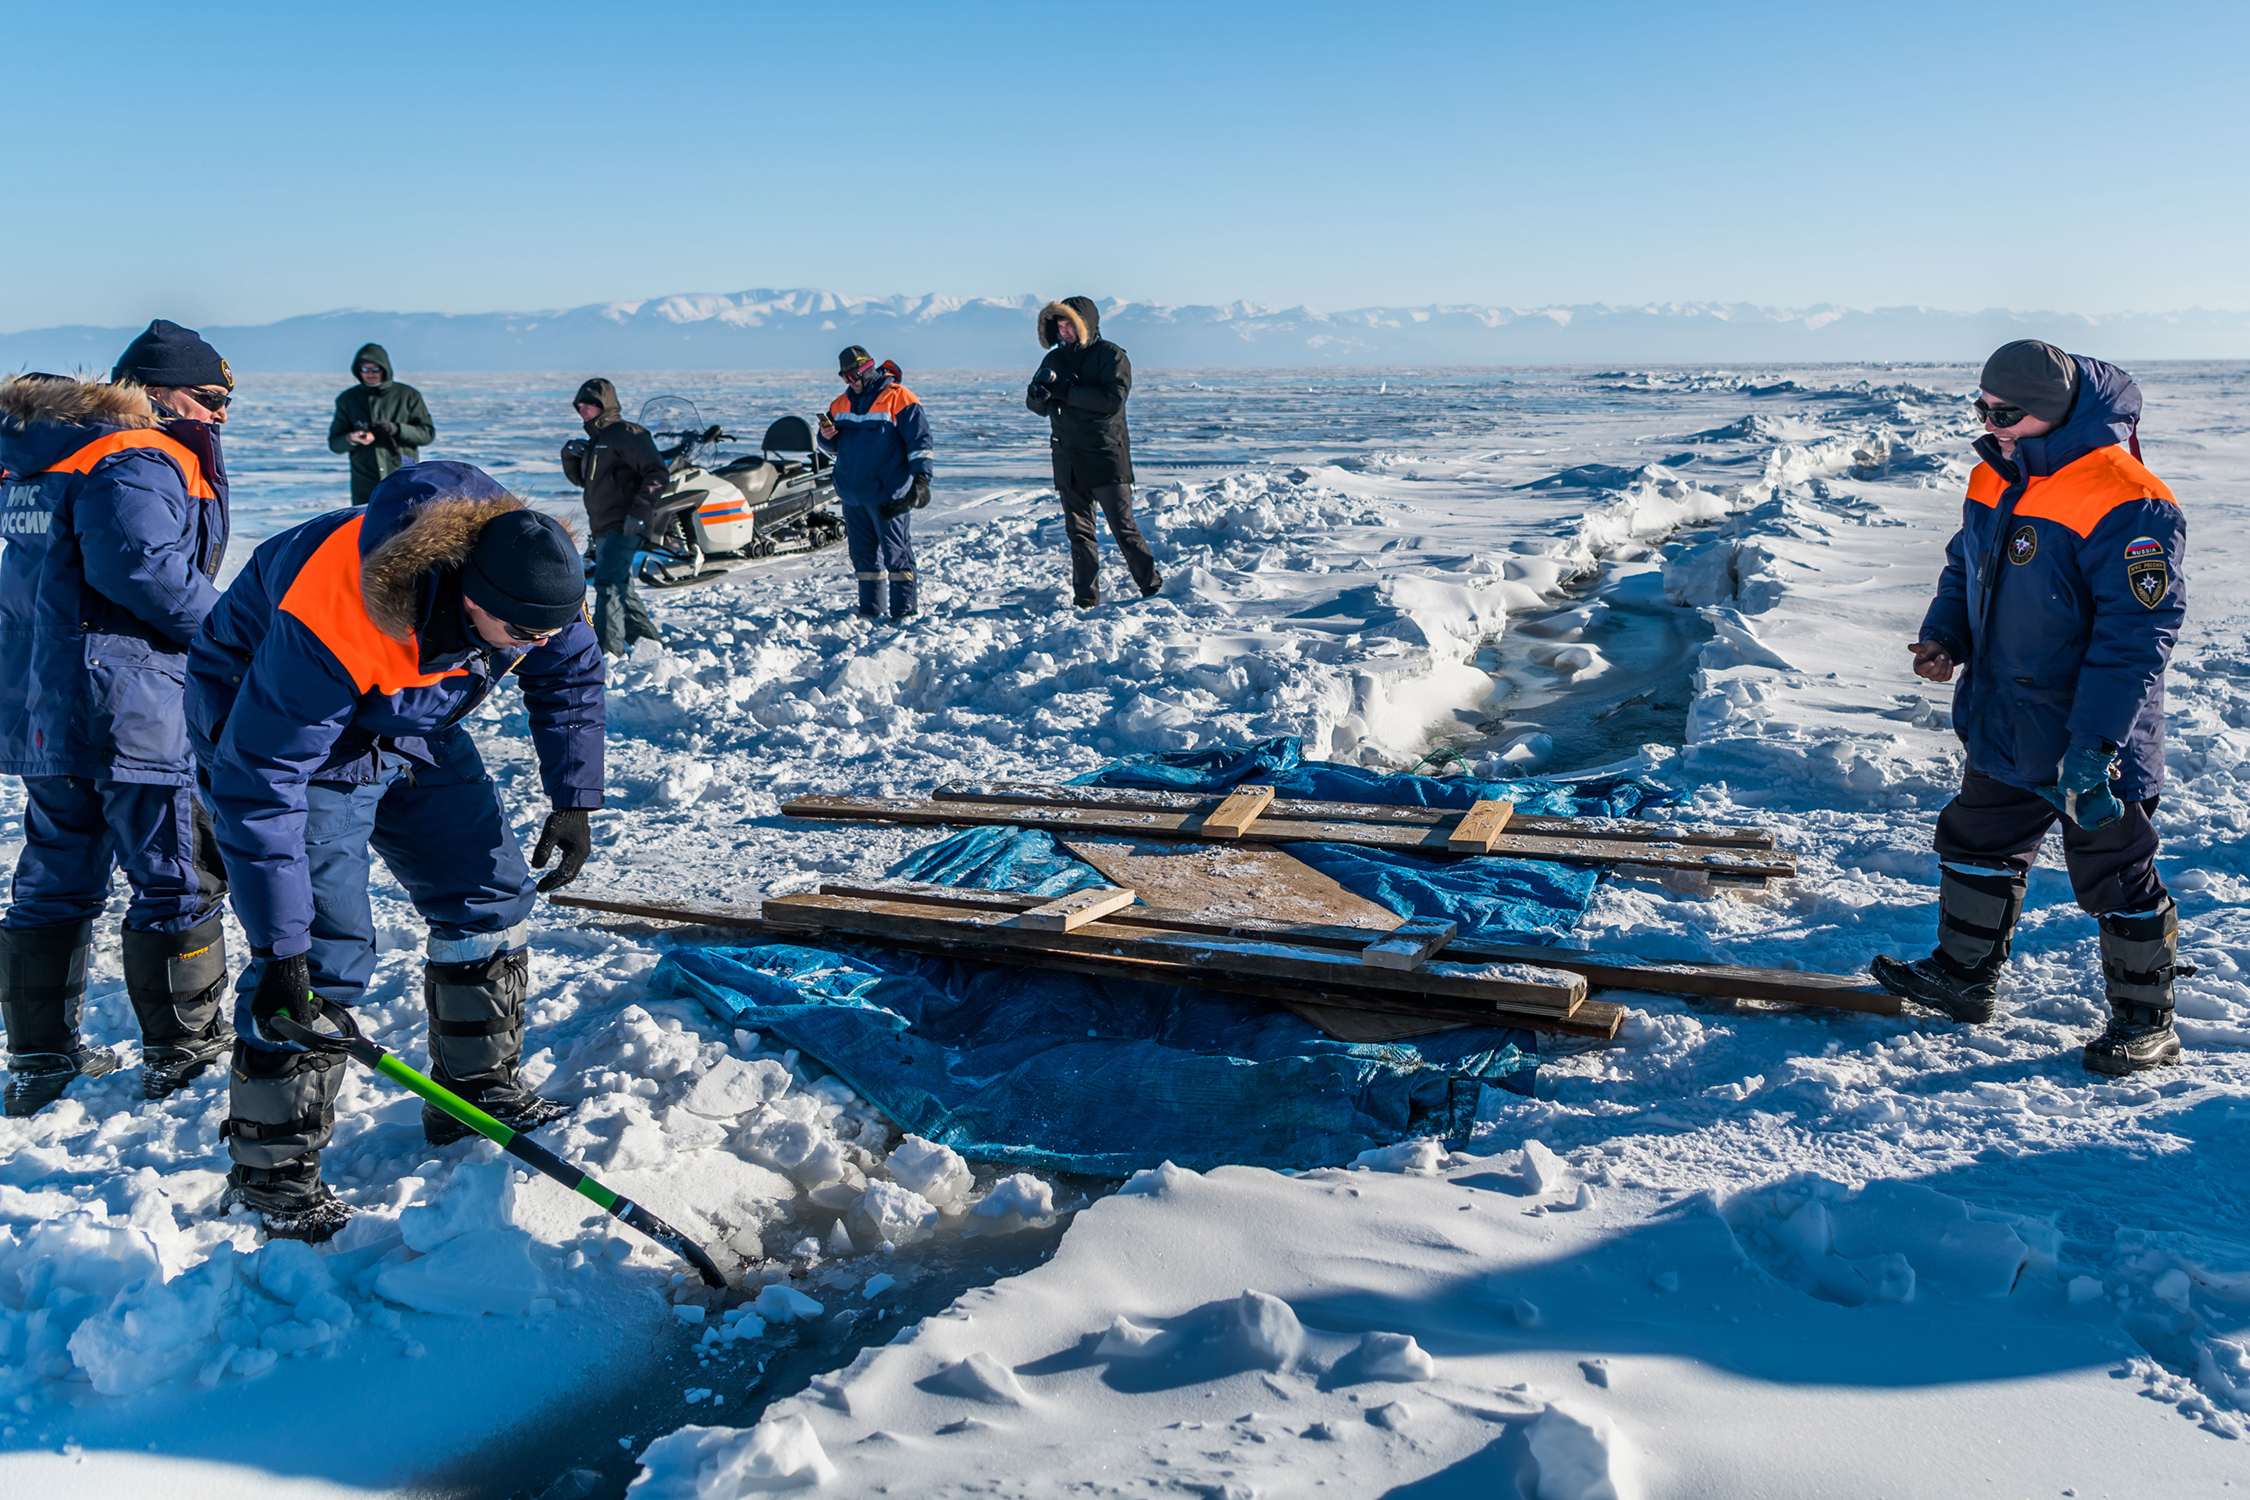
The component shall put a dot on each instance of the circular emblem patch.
(2024, 545)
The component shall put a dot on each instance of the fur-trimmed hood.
(1080, 311)
(421, 521)
(25, 399)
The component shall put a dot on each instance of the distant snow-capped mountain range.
(804, 329)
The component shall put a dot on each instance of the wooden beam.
(1233, 817)
(1701, 859)
(1135, 799)
(1074, 911)
(1479, 826)
(1268, 958)
(1409, 944)
(1601, 970)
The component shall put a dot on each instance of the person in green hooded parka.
(379, 422)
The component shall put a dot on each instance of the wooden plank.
(1479, 826)
(1410, 944)
(1134, 799)
(1373, 1025)
(1219, 882)
(1271, 958)
(1601, 970)
(1271, 830)
(1075, 910)
(1598, 1019)
(1233, 817)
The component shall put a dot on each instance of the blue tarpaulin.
(1067, 1073)
(1105, 1076)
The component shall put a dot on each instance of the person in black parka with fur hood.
(1081, 387)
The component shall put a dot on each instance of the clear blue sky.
(245, 161)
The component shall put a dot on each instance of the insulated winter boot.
(1153, 587)
(290, 1200)
(2140, 959)
(42, 992)
(177, 981)
(1977, 911)
(476, 1040)
(281, 1112)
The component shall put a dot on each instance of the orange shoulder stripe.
(894, 398)
(325, 596)
(191, 468)
(2085, 491)
(1985, 485)
(840, 405)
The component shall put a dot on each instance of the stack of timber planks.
(1414, 971)
(1725, 856)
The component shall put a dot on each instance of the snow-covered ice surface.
(1744, 1250)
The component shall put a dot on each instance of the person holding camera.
(881, 440)
(617, 465)
(1080, 389)
(379, 422)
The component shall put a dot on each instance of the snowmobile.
(713, 518)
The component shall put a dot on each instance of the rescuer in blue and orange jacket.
(881, 440)
(113, 509)
(324, 700)
(2061, 599)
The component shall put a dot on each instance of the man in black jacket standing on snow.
(1081, 389)
(617, 465)
(380, 422)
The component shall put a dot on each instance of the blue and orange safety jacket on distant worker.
(343, 641)
(2062, 595)
(882, 441)
(115, 521)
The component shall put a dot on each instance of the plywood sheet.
(1219, 882)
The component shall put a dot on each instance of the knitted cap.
(525, 569)
(2037, 377)
(168, 354)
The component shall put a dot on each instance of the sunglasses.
(528, 637)
(2000, 416)
(863, 370)
(213, 400)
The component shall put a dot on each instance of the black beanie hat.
(851, 359)
(525, 569)
(2037, 377)
(168, 354)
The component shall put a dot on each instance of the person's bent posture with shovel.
(324, 698)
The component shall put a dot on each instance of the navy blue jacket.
(344, 638)
(882, 441)
(2062, 595)
(115, 522)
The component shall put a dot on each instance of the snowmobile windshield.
(676, 426)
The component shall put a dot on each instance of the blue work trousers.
(620, 618)
(78, 830)
(882, 560)
(443, 832)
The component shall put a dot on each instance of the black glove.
(891, 510)
(921, 495)
(568, 833)
(575, 448)
(386, 433)
(285, 988)
(635, 524)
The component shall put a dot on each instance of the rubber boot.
(1977, 911)
(2140, 959)
(476, 1041)
(42, 994)
(176, 981)
(282, 1111)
